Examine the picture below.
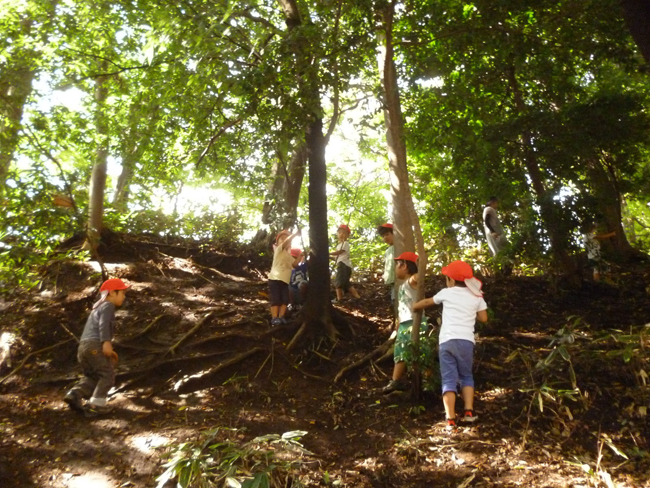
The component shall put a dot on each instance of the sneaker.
(394, 385)
(73, 399)
(451, 425)
(96, 410)
(282, 320)
(470, 416)
(275, 321)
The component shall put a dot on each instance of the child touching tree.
(279, 276)
(406, 269)
(462, 304)
(341, 256)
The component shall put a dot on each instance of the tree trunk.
(317, 311)
(403, 227)
(604, 186)
(406, 222)
(550, 213)
(98, 178)
(637, 15)
(15, 88)
(281, 209)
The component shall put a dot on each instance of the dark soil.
(234, 373)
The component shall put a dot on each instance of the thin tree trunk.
(98, 178)
(394, 135)
(318, 307)
(406, 222)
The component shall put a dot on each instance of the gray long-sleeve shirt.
(100, 325)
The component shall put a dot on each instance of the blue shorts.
(456, 360)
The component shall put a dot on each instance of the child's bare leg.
(353, 291)
(399, 370)
(449, 400)
(339, 294)
(282, 309)
(596, 275)
(274, 311)
(468, 397)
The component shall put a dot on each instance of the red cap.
(461, 271)
(344, 227)
(281, 233)
(386, 226)
(295, 252)
(407, 256)
(383, 228)
(113, 284)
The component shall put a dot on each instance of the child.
(280, 275)
(463, 304)
(386, 232)
(96, 355)
(298, 281)
(343, 264)
(592, 245)
(405, 269)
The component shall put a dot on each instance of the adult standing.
(494, 234)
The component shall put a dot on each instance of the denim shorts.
(456, 359)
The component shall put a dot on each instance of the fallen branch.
(172, 350)
(187, 385)
(26, 358)
(382, 349)
(69, 332)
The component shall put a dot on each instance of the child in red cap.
(406, 269)
(96, 355)
(343, 264)
(463, 304)
(280, 275)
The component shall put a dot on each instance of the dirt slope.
(197, 353)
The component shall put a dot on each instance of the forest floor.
(562, 390)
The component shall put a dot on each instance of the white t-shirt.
(459, 309)
(344, 257)
(282, 264)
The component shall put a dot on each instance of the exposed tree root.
(297, 336)
(26, 358)
(380, 350)
(146, 329)
(227, 335)
(172, 350)
(193, 382)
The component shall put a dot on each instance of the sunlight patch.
(91, 480)
(148, 442)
